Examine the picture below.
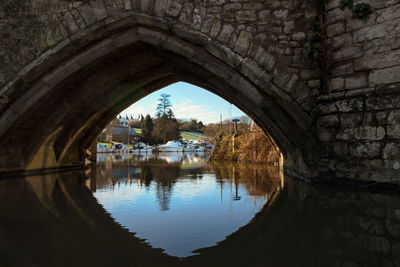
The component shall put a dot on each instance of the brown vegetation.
(250, 147)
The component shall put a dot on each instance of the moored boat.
(171, 146)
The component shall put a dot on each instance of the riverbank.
(251, 146)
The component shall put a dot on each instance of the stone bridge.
(68, 67)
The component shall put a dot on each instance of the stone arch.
(48, 108)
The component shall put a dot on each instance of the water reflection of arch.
(300, 226)
(72, 227)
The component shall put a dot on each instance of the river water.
(174, 209)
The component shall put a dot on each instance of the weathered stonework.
(364, 88)
(67, 67)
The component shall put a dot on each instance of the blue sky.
(188, 101)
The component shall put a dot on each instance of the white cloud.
(183, 110)
(187, 110)
(136, 109)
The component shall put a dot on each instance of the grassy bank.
(250, 147)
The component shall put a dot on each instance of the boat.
(120, 148)
(171, 146)
(102, 148)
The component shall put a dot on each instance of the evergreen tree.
(147, 128)
(164, 106)
(170, 114)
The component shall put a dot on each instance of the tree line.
(165, 127)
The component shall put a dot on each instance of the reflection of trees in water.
(258, 180)
(163, 173)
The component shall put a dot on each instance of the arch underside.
(58, 108)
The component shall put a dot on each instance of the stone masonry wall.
(260, 42)
(267, 34)
(359, 122)
(356, 99)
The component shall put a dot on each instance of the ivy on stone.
(346, 3)
(362, 11)
(312, 50)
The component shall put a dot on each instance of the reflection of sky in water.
(188, 214)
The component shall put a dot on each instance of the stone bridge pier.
(68, 67)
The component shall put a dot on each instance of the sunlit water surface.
(174, 200)
(178, 203)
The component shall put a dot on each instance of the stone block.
(232, 7)
(385, 76)
(352, 104)
(147, 5)
(95, 52)
(264, 15)
(341, 40)
(391, 150)
(282, 80)
(355, 82)
(298, 36)
(330, 121)
(150, 36)
(345, 134)
(393, 131)
(281, 14)
(197, 22)
(388, 89)
(335, 29)
(243, 42)
(173, 8)
(336, 84)
(341, 149)
(369, 133)
(314, 83)
(309, 74)
(254, 72)
(375, 31)
(365, 149)
(253, 5)
(291, 84)
(159, 7)
(331, 4)
(215, 28)
(288, 26)
(125, 38)
(207, 24)
(389, 13)
(72, 26)
(383, 102)
(243, 16)
(217, 2)
(350, 120)
(99, 9)
(346, 53)
(88, 14)
(62, 72)
(341, 69)
(327, 108)
(326, 135)
(371, 163)
(378, 60)
(394, 117)
(226, 33)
